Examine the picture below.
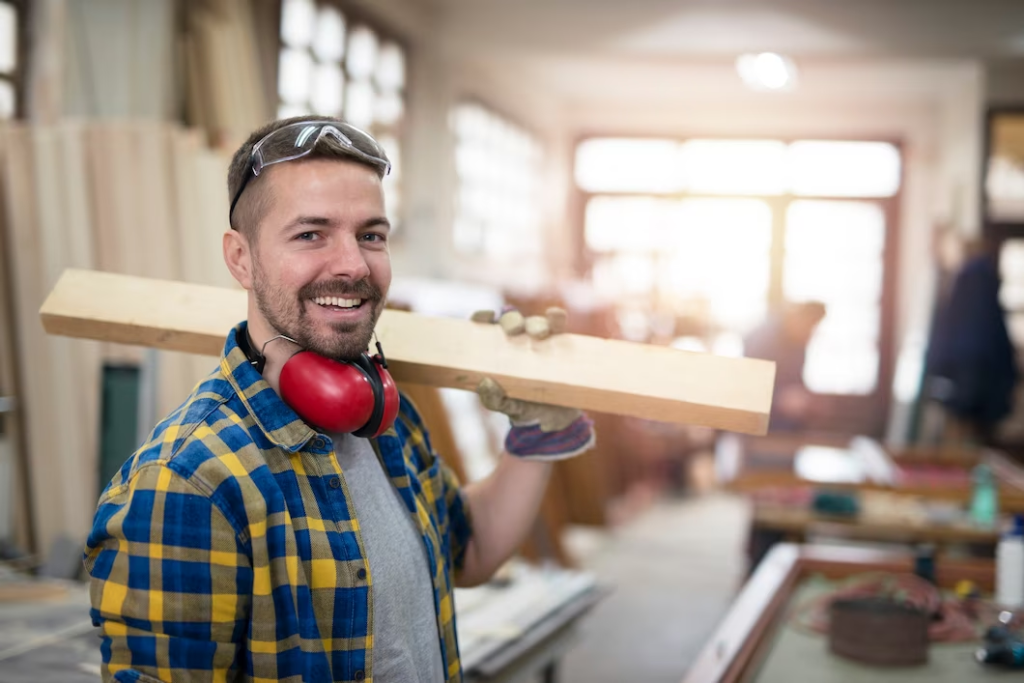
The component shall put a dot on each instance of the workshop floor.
(675, 569)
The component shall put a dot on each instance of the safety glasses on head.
(297, 140)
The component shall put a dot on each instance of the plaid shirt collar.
(279, 422)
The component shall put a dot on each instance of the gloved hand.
(539, 431)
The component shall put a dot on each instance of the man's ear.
(238, 257)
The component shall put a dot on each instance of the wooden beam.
(595, 374)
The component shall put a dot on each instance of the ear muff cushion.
(338, 397)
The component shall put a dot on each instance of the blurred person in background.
(783, 338)
(970, 364)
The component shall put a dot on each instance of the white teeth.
(337, 301)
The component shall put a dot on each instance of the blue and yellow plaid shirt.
(227, 547)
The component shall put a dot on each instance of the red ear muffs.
(358, 397)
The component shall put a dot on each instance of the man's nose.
(347, 259)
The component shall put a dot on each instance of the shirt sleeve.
(170, 582)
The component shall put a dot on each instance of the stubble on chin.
(344, 342)
(339, 341)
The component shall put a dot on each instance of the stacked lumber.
(142, 198)
(14, 488)
(109, 59)
(59, 381)
(226, 89)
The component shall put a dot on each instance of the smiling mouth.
(336, 302)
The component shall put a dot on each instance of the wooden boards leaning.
(595, 374)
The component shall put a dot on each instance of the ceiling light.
(766, 71)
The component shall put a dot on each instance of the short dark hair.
(252, 205)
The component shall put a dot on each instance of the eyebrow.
(323, 221)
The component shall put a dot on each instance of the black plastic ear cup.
(372, 372)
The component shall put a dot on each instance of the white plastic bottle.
(1010, 566)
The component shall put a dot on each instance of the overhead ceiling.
(701, 29)
(589, 52)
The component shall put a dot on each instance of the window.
(703, 252)
(717, 232)
(9, 58)
(333, 65)
(498, 199)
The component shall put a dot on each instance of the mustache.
(360, 289)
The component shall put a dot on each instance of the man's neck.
(276, 353)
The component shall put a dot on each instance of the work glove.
(539, 431)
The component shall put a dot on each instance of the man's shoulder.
(192, 439)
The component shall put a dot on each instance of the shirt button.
(360, 675)
(361, 574)
(335, 483)
(319, 443)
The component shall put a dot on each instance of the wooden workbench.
(754, 643)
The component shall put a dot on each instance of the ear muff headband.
(369, 368)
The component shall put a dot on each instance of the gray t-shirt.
(406, 644)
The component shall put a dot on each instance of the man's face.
(320, 262)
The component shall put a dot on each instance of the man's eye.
(373, 237)
(305, 236)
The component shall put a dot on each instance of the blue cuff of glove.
(530, 442)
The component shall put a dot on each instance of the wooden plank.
(23, 241)
(573, 370)
(77, 385)
(13, 421)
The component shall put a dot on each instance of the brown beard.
(289, 317)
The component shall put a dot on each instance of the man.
(242, 543)
(783, 339)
